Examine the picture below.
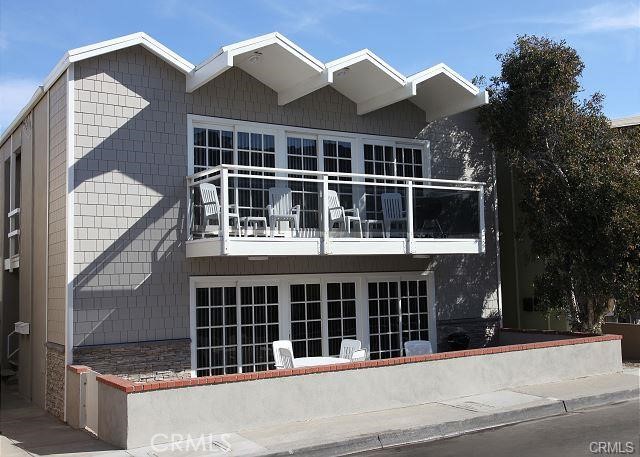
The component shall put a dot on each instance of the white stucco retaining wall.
(132, 420)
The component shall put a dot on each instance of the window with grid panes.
(384, 320)
(341, 314)
(216, 331)
(211, 147)
(259, 326)
(218, 327)
(398, 312)
(387, 160)
(306, 320)
(337, 158)
(256, 150)
(302, 154)
(415, 314)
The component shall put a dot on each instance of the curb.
(455, 428)
(426, 433)
(592, 401)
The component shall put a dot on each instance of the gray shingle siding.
(57, 240)
(131, 109)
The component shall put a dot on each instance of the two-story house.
(167, 219)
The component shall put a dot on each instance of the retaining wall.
(134, 415)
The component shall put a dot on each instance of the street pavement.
(607, 430)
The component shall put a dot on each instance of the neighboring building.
(518, 267)
(108, 256)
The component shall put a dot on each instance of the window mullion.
(238, 329)
(324, 319)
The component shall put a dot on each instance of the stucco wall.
(222, 408)
(130, 198)
(466, 285)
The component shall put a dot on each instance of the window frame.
(281, 131)
(283, 282)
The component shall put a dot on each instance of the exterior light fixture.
(342, 72)
(255, 57)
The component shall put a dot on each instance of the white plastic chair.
(359, 356)
(281, 208)
(417, 347)
(337, 213)
(286, 357)
(348, 347)
(368, 223)
(281, 344)
(392, 211)
(212, 207)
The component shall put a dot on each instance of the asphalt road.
(608, 430)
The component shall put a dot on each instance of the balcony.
(260, 212)
(13, 260)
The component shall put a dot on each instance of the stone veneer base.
(142, 361)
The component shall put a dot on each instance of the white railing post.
(326, 248)
(224, 211)
(481, 217)
(410, 217)
(190, 209)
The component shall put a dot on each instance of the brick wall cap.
(78, 368)
(130, 387)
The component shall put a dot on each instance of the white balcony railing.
(13, 260)
(330, 213)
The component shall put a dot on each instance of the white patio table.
(299, 362)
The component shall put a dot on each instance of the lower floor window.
(221, 317)
(235, 323)
(398, 312)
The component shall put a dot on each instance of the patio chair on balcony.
(344, 217)
(348, 348)
(277, 346)
(213, 209)
(368, 223)
(417, 347)
(281, 209)
(392, 212)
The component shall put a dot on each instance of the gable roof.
(292, 72)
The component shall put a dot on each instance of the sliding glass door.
(235, 322)
(398, 312)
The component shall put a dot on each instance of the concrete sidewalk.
(27, 433)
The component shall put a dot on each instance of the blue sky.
(410, 35)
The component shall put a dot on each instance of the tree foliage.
(580, 180)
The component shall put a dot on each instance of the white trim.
(305, 87)
(362, 55)
(222, 60)
(213, 66)
(442, 68)
(284, 281)
(93, 50)
(197, 120)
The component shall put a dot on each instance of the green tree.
(580, 181)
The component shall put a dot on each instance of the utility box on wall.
(22, 328)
